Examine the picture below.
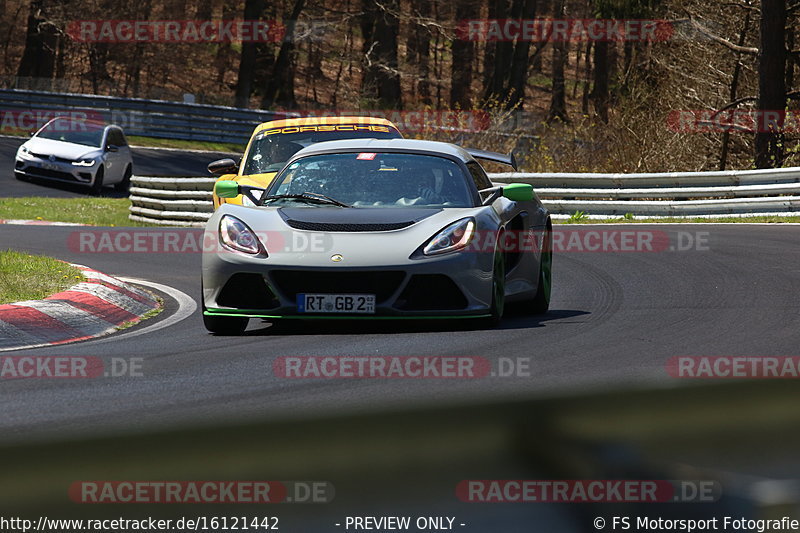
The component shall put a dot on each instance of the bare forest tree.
(253, 10)
(42, 39)
(771, 84)
(414, 54)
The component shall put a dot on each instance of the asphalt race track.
(146, 162)
(615, 320)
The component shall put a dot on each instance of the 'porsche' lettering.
(328, 127)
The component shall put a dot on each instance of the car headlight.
(84, 163)
(237, 236)
(454, 237)
(24, 150)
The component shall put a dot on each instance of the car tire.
(125, 184)
(541, 302)
(20, 176)
(97, 184)
(223, 325)
(498, 292)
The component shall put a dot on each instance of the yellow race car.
(274, 142)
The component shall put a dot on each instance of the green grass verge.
(33, 277)
(688, 220)
(150, 314)
(93, 211)
(152, 142)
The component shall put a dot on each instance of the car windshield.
(73, 131)
(376, 180)
(273, 147)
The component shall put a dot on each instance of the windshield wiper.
(311, 196)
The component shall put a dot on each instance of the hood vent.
(347, 227)
(353, 220)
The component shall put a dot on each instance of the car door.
(125, 155)
(524, 224)
(115, 160)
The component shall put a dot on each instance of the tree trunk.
(543, 7)
(384, 55)
(587, 79)
(205, 10)
(369, 81)
(461, 68)
(490, 49)
(419, 50)
(518, 78)
(790, 39)
(280, 85)
(502, 54)
(41, 45)
(253, 10)
(613, 73)
(98, 60)
(737, 70)
(558, 101)
(223, 58)
(769, 143)
(600, 90)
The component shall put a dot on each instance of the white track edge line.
(186, 307)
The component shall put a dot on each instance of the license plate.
(336, 303)
(49, 166)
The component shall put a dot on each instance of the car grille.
(431, 292)
(247, 291)
(326, 226)
(47, 157)
(294, 282)
(47, 173)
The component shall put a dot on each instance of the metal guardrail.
(187, 201)
(150, 118)
(178, 120)
(658, 179)
(734, 192)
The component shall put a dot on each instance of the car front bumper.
(448, 286)
(36, 167)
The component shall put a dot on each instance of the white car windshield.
(73, 131)
(376, 180)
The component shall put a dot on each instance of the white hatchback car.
(77, 151)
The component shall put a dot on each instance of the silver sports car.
(377, 229)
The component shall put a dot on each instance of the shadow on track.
(514, 319)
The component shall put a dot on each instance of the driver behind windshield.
(378, 180)
(270, 155)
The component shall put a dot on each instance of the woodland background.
(578, 106)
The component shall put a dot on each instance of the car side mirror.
(518, 192)
(31, 133)
(112, 148)
(226, 188)
(223, 166)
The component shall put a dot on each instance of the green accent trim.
(518, 192)
(256, 313)
(226, 189)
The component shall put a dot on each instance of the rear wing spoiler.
(494, 156)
